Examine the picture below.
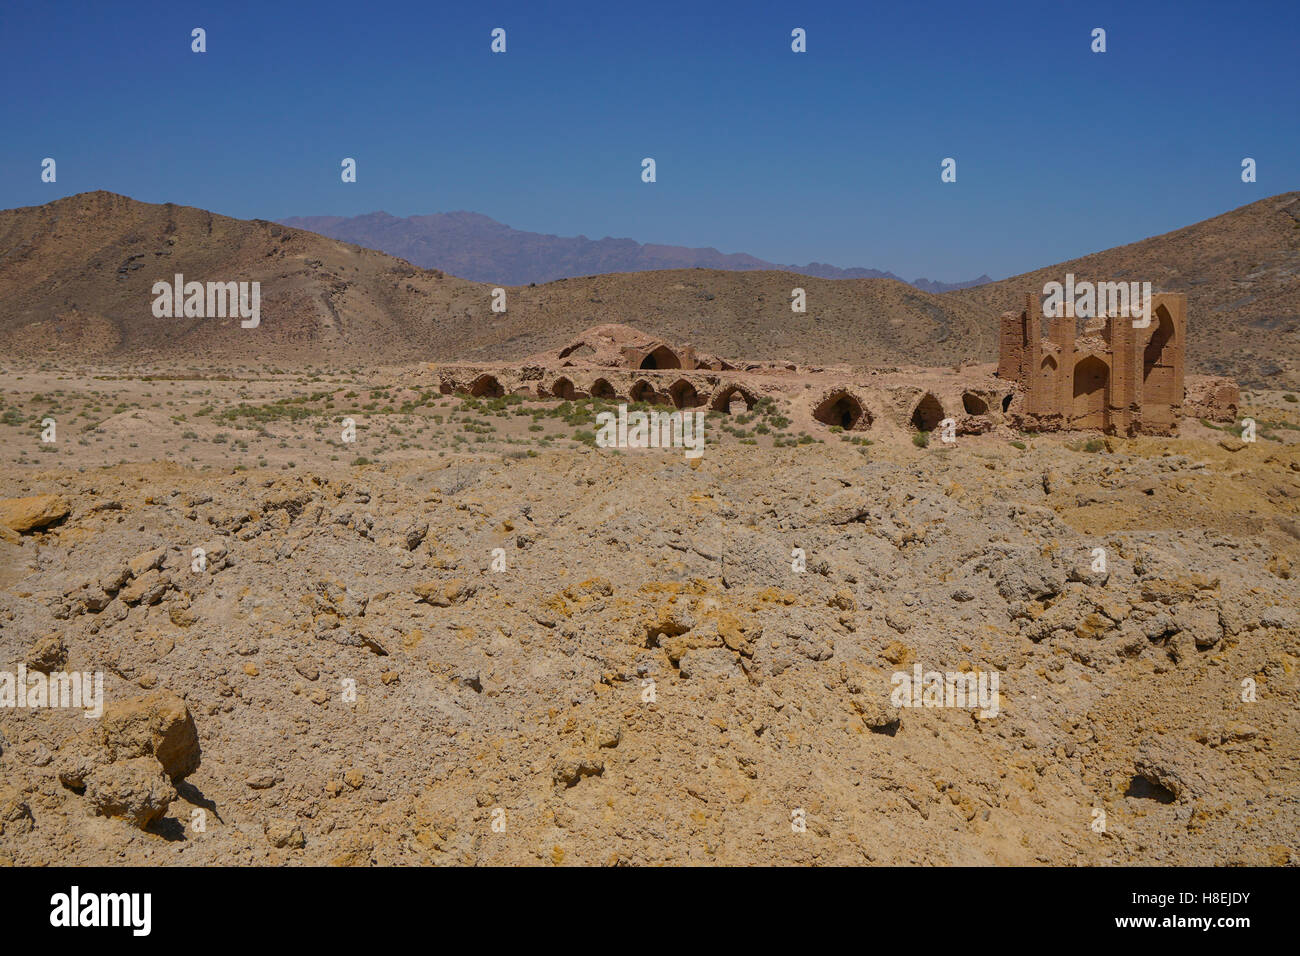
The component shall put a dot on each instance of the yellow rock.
(29, 514)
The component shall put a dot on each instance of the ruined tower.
(1020, 346)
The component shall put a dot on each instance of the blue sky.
(831, 156)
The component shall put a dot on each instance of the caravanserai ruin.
(1117, 374)
(1109, 377)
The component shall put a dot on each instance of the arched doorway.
(563, 388)
(928, 414)
(973, 404)
(842, 409)
(486, 386)
(1158, 362)
(1091, 388)
(661, 357)
(733, 400)
(684, 395)
(603, 390)
(643, 391)
(1047, 375)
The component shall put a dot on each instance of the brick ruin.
(1111, 378)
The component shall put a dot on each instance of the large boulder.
(48, 654)
(147, 561)
(136, 790)
(157, 724)
(1186, 770)
(30, 514)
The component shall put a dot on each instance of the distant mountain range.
(475, 247)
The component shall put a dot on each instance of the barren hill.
(76, 277)
(1241, 273)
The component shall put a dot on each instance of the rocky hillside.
(76, 278)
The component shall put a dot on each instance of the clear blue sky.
(831, 156)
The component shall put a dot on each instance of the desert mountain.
(76, 277)
(477, 247)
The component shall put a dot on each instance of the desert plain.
(473, 637)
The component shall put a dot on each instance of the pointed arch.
(927, 413)
(643, 391)
(733, 400)
(842, 409)
(683, 394)
(661, 357)
(563, 388)
(974, 404)
(1159, 372)
(1091, 391)
(486, 386)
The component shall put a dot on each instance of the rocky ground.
(473, 637)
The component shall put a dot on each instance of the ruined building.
(1110, 377)
(618, 363)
